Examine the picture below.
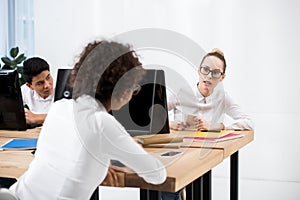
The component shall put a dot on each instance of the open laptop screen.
(146, 112)
(12, 115)
(62, 88)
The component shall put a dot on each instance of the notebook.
(160, 139)
(229, 136)
(211, 136)
(20, 144)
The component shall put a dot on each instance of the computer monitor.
(12, 115)
(62, 88)
(146, 112)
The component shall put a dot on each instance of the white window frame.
(17, 18)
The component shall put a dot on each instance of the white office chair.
(6, 194)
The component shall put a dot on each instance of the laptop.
(12, 114)
(147, 112)
(62, 88)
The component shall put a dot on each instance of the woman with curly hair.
(80, 137)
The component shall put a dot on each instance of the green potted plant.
(13, 61)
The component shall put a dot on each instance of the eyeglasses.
(136, 89)
(216, 73)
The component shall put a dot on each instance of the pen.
(26, 106)
(217, 131)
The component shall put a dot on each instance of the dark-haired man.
(38, 90)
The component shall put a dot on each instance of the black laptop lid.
(146, 112)
(62, 88)
(12, 115)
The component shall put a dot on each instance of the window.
(18, 26)
(4, 27)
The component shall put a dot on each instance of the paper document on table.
(210, 134)
(159, 139)
(220, 139)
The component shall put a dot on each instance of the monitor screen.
(146, 112)
(12, 115)
(62, 88)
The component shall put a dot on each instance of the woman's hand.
(178, 125)
(111, 178)
(201, 124)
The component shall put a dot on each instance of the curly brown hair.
(102, 64)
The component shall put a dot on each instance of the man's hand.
(32, 118)
(111, 178)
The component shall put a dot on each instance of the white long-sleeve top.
(212, 109)
(76, 144)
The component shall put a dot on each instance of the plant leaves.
(20, 58)
(13, 64)
(14, 52)
(6, 60)
(20, 71)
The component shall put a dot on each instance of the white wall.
(62, 28)
(261, 43)
(3, 30)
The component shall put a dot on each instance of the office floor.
(257, 189)
(109, 193)
(249, 190)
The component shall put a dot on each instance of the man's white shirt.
(35, 102)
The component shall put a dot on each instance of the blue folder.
(15, 144)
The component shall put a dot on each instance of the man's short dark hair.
(32, 67)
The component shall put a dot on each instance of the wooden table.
(181, 169)
(200, 186)
(14, 163)
(192, 169)
(230, 148)
(29, 133)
